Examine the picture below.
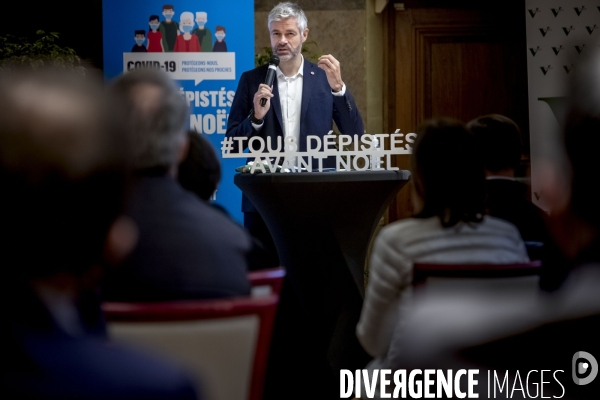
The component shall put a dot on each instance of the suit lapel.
(276, 103)
(307, 88)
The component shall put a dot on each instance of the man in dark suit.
(62, 168)
(304, 100)
(186, 248)
(499, 141)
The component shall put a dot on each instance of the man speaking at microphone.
(303, 100)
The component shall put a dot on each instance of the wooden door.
(459, 62)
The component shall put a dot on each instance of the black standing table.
(322, 224)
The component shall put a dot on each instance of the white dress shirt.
(290, 97)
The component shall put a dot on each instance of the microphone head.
(274, 60)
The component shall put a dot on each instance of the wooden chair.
(223, 343)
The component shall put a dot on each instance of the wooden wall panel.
(459, 63)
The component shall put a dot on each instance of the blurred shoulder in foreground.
(63, 167)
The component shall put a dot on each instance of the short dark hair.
(168, 7)
(448, 173)
(220, 28)
(62, 170)
(153, 16)
(200, 172)
(140, 32)
(499, 141)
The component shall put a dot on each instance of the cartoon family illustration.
(173, 36)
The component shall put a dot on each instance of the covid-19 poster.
(204, 46)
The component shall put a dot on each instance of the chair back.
(267, 280)
(422, 271)
(224, 343)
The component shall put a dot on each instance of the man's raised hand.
(263, 91)
(331, 66)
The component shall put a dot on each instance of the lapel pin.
(312, 72)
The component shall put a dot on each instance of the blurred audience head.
(572, 165)
(499, 141)
(155, 116)
(448, 174)
(62, 168)
(200, 171)
(582, 140)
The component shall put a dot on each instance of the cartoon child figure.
(168, 28)
(220, 44)
(140, 38)
(204, 34)
(187, 42)
(155, 44)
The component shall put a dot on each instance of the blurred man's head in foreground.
(62, 168)
(570, 185)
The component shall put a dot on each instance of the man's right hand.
(263, 91)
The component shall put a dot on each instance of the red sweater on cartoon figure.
(187, 45)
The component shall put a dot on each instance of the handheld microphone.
(273, 63)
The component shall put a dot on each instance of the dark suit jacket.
(319, 108)
(507, 199)
(186, 248)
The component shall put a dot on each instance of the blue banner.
(205, 47)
